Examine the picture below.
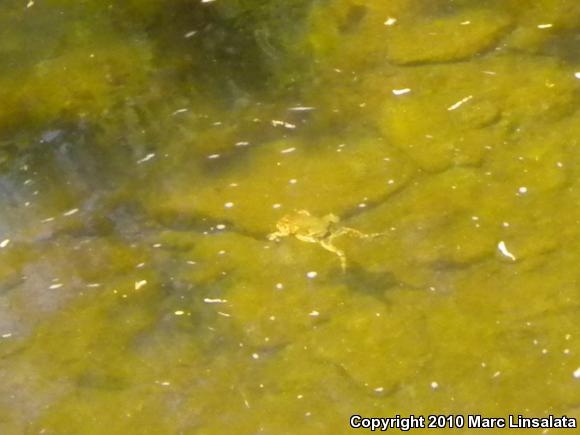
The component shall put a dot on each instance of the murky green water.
(148, 148)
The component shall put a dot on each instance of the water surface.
(147, 149)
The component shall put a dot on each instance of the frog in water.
(320, 230)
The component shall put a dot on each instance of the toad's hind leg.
(357, 233)
(327, 244)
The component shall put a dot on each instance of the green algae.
(338, 177)
(138, 290)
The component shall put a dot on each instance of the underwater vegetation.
(148, 148)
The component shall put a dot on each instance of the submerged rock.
(444, 39)
(253, 194)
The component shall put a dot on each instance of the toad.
(321, 230)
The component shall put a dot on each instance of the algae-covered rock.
(364, 34)
(379, 347)
(271, 292)
(455, 114)
(351, 35)
(445, 39)
(78, 72)
(257, 189)
(431, 226)
(435, 137)
(544, 26)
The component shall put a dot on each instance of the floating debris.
(71, 212)
(402, 91)
(139, 284)
(146, 158)
(503, 249)
(460, 102)
(301, 109)
(215, 301)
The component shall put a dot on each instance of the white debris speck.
(460, 102)
(146, 158)
(178, 111)
(496, 374)
(220, 227)
(293, 181)
(503, 249)
(55, 286)
(465, 23)
(277, 123)
(390, 21)
(301, 109)
(522, 190)
(566, 351)
(93, 285)
(179, 312)
(47, 220)
(190, 34)
(362, 205)
(314, 313)
(577, 75)
(434, 385)
(276, 205)
(402, 91)
(6, 335)
(222, 252)
(312, 274)
(139, 284)
(228, 204)
(505, 224)
(242, 144)
(157, 245)
(215, 301)
(379, 389)
(545, 26)
(279, 286)
(71, 212)
(255, 356)
(221, 313)
(577, 373)
(288, 150)
(213, 156)
(30, 4)
(4, 243)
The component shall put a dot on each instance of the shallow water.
(147, 150)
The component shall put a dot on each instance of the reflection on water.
(147, 151)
